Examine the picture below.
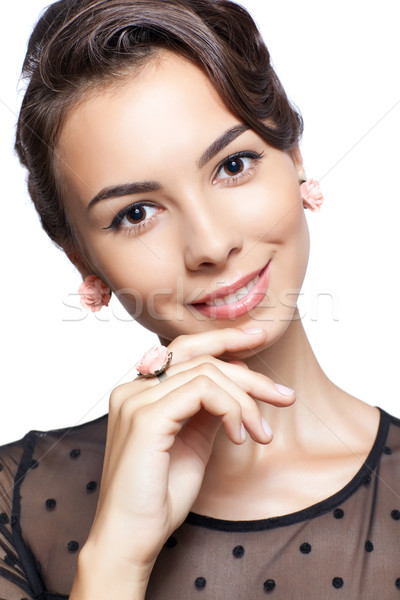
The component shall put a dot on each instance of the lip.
(229, 289)
(241, 307)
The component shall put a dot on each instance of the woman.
(163, 158)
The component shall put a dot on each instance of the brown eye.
(135, 214)
(134, 217)
(237, 168)
(234, 166)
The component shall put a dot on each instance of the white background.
(339, 62)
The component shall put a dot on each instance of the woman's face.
(177, 216)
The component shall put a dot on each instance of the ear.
(297, 159)
(79, 263)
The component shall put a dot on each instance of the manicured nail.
(266, 427)
(286, 391)
(243, 433)
(252, 330)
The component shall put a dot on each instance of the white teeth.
(238, 295)
(219, 302)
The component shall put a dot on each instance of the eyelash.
(137, 228)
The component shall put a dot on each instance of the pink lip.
(241, 307)
(228, 289)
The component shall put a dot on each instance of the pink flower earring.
(311, 194)
(94, 293)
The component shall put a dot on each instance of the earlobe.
(297, 159)
(311, 194)
(93, 291)
(310, 190)
(78, 263)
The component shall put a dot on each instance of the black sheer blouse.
(347, 546)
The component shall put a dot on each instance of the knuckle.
(125, 410)
(201, 359)
(141, 414)
(208, 368)
(202, 383)
(117, 396)
(177, 341)
(236, 411)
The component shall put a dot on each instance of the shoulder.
(390, 436)
(48, 495)
(41, 455)
(10, 460)
(385, 457)
(390, 430)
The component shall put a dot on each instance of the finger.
(163, 419)
(256, 384)
(216, 342)
(239, 363)
(252, 419)
(253, 384)
(154, 427)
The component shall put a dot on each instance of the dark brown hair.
(81, 44)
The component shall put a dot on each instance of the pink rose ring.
(154, 363)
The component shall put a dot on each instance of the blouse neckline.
(363, 476)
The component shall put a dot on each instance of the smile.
(238, 302)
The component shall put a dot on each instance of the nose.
(209, 236)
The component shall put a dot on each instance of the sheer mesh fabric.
(347, 546)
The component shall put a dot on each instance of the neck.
(291, 361)
(323, 414)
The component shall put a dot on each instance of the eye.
(134, 218)
(237, 168)
(234, 166)
(136, 214)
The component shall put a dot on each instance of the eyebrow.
(224, 140)
(141, 187)
(126, 189)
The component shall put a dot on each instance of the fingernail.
(266, 427)
(286, 391)
(243, 433)
(253, 330)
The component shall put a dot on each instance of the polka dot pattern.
(4, 519)
(269, 585)
(337, 582)
(281, 557)
(73, 546)
(171, 542)
(369, 546)
(200, 583)
(238, 551)
(91, 486)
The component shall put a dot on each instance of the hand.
(160, 437)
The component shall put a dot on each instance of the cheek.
(277, 219)
(275, 214)
(140, 274)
